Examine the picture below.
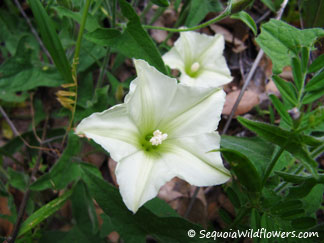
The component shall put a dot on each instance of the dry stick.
(23, 205)
(34, 31)
(17, 134)
(251, 73)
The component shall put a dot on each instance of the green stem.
(271, 165)
(220, 17)
(75, 62)
(103, 70)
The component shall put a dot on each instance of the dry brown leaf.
(239, 45)
(271, 88)
(248, 101)
(5, 226)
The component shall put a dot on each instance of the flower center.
(158, 137)
(194, 67)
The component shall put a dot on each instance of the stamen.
(195, 67)
(158, 137)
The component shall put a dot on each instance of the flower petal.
(194, 110)
(214, 71)
(113, 130)
(140, 177)
(151, 94)
(189, 159)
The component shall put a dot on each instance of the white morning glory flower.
(200, 59)
(163, 130)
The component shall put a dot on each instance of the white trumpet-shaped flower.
(200, 59)
(163, 130)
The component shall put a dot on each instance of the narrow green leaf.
(297, 73)
(317, 64)
(316, 83)
(161, 3)
(303, 223)
(235, 200)
(247, 19)
(303, 189)
(292, 214)
(244, 169)
(290, 141)
(312, 96)
(281, 109)
(286, 90)
(44, 212)
(255, 219)
(51, 39)
(285, 206)
(304, 59)
(292, 177)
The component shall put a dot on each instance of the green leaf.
(312, 96)
(161, 3)
(247, 19)
(290, 141)
(83, 210)
(199, 9)
(43, 213)
(316, 65)
(316, 83)
(297, 73)
(244, 169)
(232, 196)
(255, 220)
(134, 42)
(144, 222)
(281, 110)
(18, 74)
(91, 23)
(51, 39)
(18, 179)
(303, 189)
(303, 223)
(281, 41)
(274, 5)
(257, 150)
(292, 177)
(57, 177)
(312, 12)
(286, 90)
(285, 206)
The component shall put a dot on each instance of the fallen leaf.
(239, 45)
(248, 101)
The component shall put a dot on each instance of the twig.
(191, 203)
(23, 204)
(17, 134)
(33, 31)
(250, 75)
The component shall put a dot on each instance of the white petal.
(206, 50)
(189, 159)
(113, 130)
(174, 60)
(153, 92)
(194, 110)
(140, 177)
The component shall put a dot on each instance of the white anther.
(158, 137)
(195, 67)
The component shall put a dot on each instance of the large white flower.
(200, 59)
(163, 130)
